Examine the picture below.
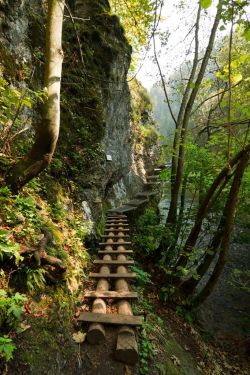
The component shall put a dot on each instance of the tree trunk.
(229, 216)
(172, 213)
(175, 188)
(206, 204)
(43, 148)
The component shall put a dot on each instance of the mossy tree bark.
(44, 146)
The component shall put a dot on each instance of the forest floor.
(47, 347)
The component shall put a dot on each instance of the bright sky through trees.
(177, 18)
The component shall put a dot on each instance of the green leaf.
(246, 35)
(206, 3)
(236, 78)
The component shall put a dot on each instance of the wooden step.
(116, 225)
(137, 202)
(116, 230)
(129, 275)
(115, 252)
(115, 235)
(115, 243)
(114, 262)
(125, 208)
(117, 319)
(110, 294)
(117, 217)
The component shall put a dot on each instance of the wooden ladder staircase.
(113, 283)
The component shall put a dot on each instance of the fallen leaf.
(22, 327)
(79, 337)
(175, 360)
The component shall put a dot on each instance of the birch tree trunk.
(44, 146)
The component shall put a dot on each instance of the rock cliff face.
(96, 153)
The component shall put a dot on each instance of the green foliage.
(137, 17)
(6, 348)
(8, 248)
(142, 277)
(147, 352)
(35, 278)
(149, 135)
(206, 3)
(11, 308)
(14, 101)
(186, 313)
(148, 232)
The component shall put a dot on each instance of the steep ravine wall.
(96, 118)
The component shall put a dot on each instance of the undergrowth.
(22, 281)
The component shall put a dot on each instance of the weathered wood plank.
(137, 202)
(114, 262)
(116, 319)
(117, 217)
(110, 294)
(115, 243)
(116, 235)
(116, 225)
(146, 194)
(125, 208)
(116, 230)
(115, 252)
(130, 275)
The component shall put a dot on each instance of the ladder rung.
(117, 319)
(114, 262)
(129, 275)
(114, 243)
(115, 236)
(110, 294)
(115, 252)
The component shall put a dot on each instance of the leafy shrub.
(11, 308)
(34, 278)
(142, 277)
(8, 248)
(6, 348)
(148, 232)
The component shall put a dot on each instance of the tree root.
(40, 255)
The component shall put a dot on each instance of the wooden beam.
(96, 331)
(116, 225)
(110, 294)
(116, 230)
(130, 275)
(115, 243)
(114, 262)
(115, 235)
(116, 319)
(115, 252)
(116, 217)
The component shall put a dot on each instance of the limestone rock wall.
(96, 103)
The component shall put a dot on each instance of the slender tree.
(185, 113)
(47, 133)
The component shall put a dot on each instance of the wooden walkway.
(113, 281)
